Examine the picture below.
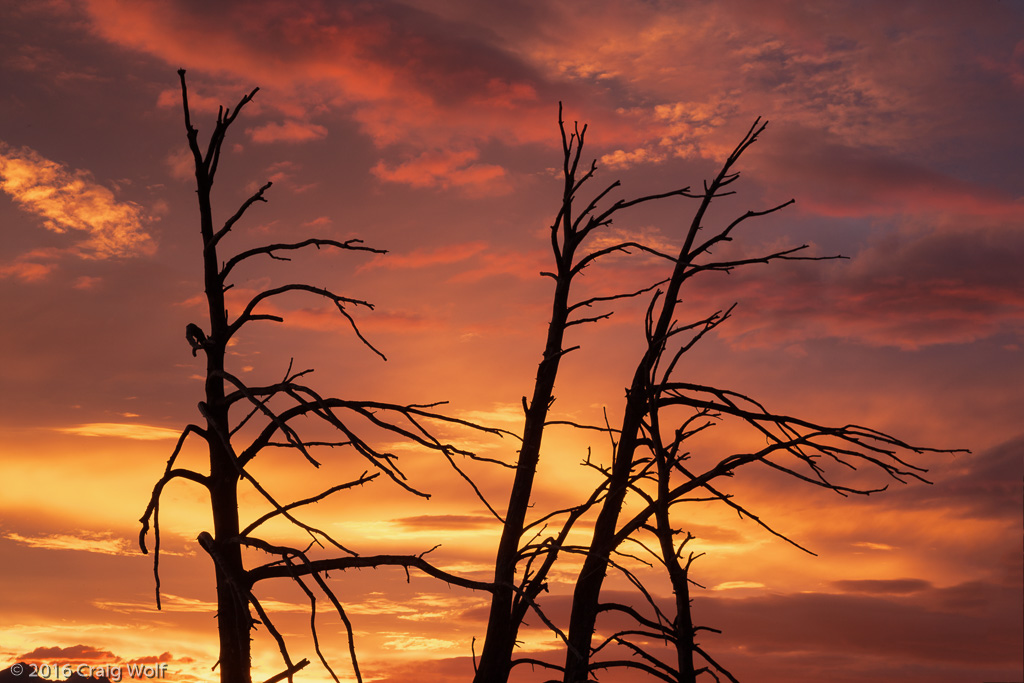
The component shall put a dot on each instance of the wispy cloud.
(71, 202)
(422, 258)
(104, 543)
(121, 430)
(447, 522)
(176, 603)
(883, 586)
(411, 644)
(734, 585)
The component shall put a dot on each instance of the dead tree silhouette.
(241, 421)
(660, 414)
(657, 461)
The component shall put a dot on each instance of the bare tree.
(513, 597)
(654, 465)
(241, 421)
(661, 415)
(650, 440)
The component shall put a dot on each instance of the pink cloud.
(200, 101)
(328, 319)
(477, 260)
(87, 282)
(27, 271)
(908, 289)
(446, 169)
(924, 626)
(430, 79)
(289, 131)
(408, 74)
(840, 180)
(426, 81)
(420, 258)
(525, 266)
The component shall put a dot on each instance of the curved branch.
(363, 562)
(269, 249)
(627, 664)
(337, 299)
(153, 508)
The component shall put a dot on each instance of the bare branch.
(362, 562)
(613, 297)
(289, 672)
(271, 249)
(229, 223)
(723, 236)
(363, 479)
(275, 634)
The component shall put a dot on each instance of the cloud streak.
(103, 543)
(139, 432)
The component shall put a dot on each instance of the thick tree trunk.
(678, 573)
(234, 620)
(502, 626)
(586, 595)
(683, 623)
(233, 617)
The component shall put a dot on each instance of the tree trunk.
(502, 627)
(585, 599)
(234, 620)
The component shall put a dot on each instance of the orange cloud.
(289, 131)
(124, 431)
(27, 271)
(104, 543)
(70, 200)
(86, 662)
(620, 159)
(446, 169)
(450, 522)
(83, 653)
(734, 585)
(176, 603)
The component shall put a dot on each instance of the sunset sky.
(429, 128)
